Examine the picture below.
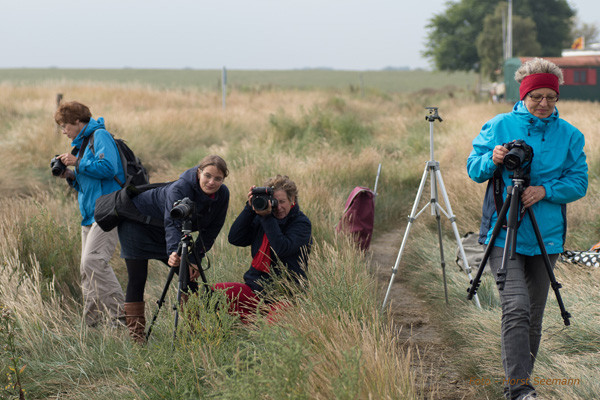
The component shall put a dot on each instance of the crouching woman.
(279, 237)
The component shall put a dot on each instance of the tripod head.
(432, 114)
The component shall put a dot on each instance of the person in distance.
(558, 175)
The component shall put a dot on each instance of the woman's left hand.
(532, 195)
(194, 272)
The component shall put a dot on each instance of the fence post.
(224, 86)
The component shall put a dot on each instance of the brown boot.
(136, 321)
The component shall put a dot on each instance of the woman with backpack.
(203, 187)
(95, 173)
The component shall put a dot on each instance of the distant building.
(581, 70)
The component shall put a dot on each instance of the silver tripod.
(432, 167)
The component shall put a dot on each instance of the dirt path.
(433, 360)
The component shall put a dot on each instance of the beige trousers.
(102, 294)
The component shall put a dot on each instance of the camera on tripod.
(57, 167)
(261, 197)
(519, 154)
(183, 208)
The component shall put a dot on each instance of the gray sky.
(238, 34)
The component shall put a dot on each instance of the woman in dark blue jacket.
(203, 185)
(280, 239)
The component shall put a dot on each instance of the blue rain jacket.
(95, 171)
(559, 165)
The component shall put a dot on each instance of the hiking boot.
(136, 321)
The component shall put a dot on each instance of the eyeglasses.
(209, 176)
(537, 98)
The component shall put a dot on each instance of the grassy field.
(335, 342)
(253, 80)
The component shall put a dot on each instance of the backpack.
(134, 170)
(112, 208)
(359, 216)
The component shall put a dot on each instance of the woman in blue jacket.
(558, 175)
(203, 185)
(279, 237)
(96, 171)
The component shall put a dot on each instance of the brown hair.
(283, 182)
(216, 161)
(71, 112)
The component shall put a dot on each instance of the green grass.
(252, 80)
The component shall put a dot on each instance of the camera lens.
(511, 162)
(260, 203)
(57, 167)
(182, 209)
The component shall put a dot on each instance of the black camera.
(183, 208)
(519, 154)
(57, 166)
(261, 197)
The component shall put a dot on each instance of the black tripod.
(186, 245)
(511, 207)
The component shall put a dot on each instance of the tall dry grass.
(334, 343)
(314, 137)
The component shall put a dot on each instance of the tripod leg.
(510, 244)
(161, 300)
(184, 280)
(555, 285)
(488, 250)
(452, 218)
(411, 219)
(436, 211)
(443, 261)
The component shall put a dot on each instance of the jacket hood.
(191, 176)
(520, 109)
(87, 130)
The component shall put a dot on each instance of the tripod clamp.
(433, 114)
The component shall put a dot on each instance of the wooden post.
(224, 86)
(59, 97)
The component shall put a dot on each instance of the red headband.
(536, 81)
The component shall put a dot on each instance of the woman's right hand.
(498, 154)
(250, 194)
(174, 260)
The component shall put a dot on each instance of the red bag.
(359, 216)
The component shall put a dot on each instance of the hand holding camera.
(261, 199)
(58, 166)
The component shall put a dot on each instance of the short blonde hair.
(538, 66)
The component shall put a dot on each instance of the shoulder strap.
(89, 142)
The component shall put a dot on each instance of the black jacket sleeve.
(242, 232)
